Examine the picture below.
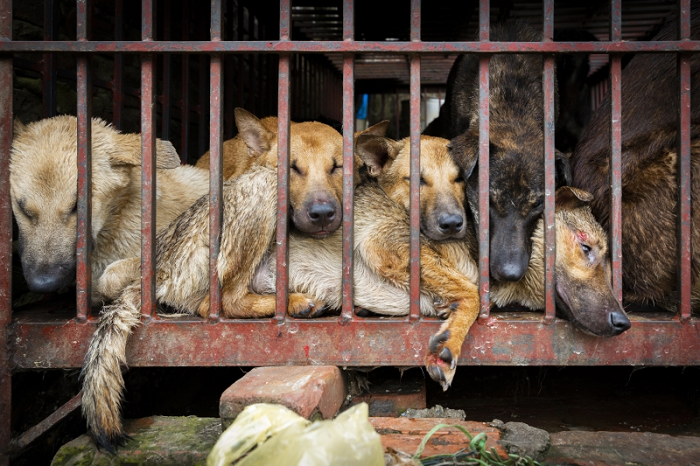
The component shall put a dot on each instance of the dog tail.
(103, 384)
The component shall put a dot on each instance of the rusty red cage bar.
(118, 77)
(684, 170)
(549, 168)
(84, 138)
(6, 110)
(165, 96)
(414, 311)
(48, 74)
(283, 123)
(616, 151)
(483, 220)
(346, 314)
(148, 169)
(215, 164)
(185, 104)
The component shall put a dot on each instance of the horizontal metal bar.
(347, 47)
(507, 338)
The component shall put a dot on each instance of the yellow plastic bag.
(348, 440)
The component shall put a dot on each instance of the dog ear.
(464, 150)
(253, 132)
(127, 151)
(166, 155)
(376, 152)
(378, 129)
(570, 198)
(18, 128)
(562, 163)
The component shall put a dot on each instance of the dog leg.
(117, 276)
(256, 306)
(103, 384)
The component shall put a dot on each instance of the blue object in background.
(362, 112)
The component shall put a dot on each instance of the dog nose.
(619, 322)
(508, 272)
(321, 213)
(45, 283)
(450, 223)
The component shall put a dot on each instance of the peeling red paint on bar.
(148, 169)
(277, 47)
(549, 168)
(684, 171)
(84, 160)
(215, 165)
(415, 96)
(283, 121)
(348, 165)
(616, 153)
(483, 220)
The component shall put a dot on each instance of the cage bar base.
(52, 339)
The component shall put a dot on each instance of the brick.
(393, 397)
(310, 391)
(404, 434)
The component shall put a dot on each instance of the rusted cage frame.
(66, 341)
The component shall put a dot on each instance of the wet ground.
(618, 399)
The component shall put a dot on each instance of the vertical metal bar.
(348, 162)
(203, 91)
(684, 170)
(240, 59)
(484, 238)
(185, 112)
(616, 152)
(251, 65)
(414, 311)
(215, 165)
(165, 114)
(229, 104)
(5, 231)
(549, 168)
(118, 79)
(48, 75)
(148, 168)
(283, 167)
(397, 114)
(84, 130)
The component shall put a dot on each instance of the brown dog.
(182, 255)
(43, 187)
(448, 271)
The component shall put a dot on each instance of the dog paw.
(441, 361)
(303, 307)
(444, 312)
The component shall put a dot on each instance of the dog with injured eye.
(449, 272)
(247, 241)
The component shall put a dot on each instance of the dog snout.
(510, 270)
(619, 322)
(50, 279)
(450, 223)
(321, 213)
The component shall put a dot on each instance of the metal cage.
(53, 336)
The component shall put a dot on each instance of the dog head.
(516, 192)
(584, 293)
(43, 189)
(442, 215)
(316, 168)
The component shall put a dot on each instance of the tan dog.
(382, 234)
(182, 256)
(43, 186)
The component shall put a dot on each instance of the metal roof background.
(446, 21)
